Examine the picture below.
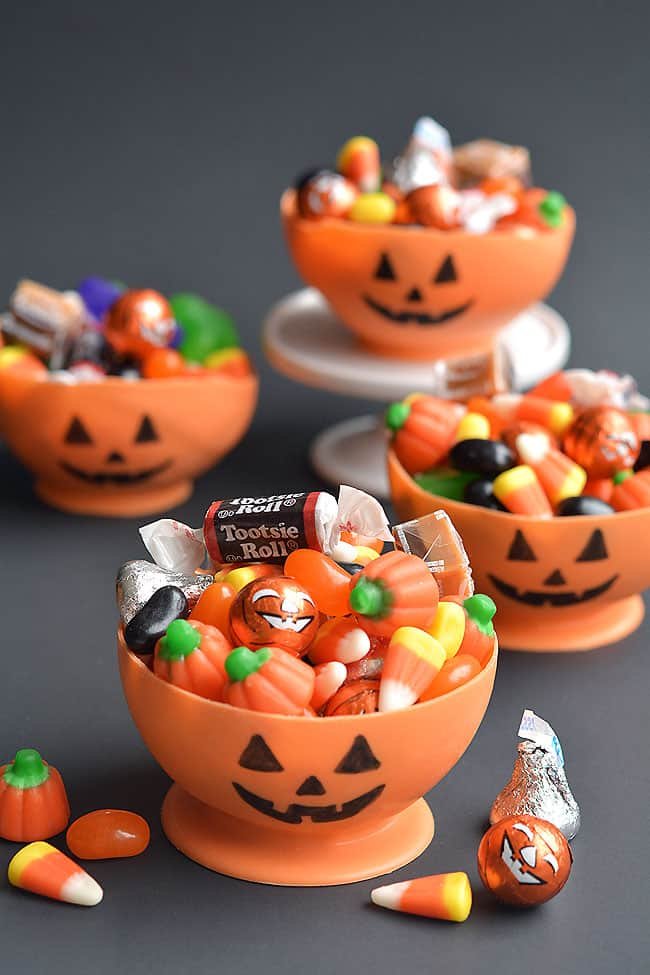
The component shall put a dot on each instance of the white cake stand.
(303, 339)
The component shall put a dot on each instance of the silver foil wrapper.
(538, 787)
(138, 580)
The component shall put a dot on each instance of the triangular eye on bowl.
(595, 548)
(258, 756)
(385, 270)
(359, 758)
(147, 432)
(446, 272)
(77, 433)
(520, 550)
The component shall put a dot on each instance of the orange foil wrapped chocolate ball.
(139, 322)
(524, 861)
(275, 612)
(602, 441)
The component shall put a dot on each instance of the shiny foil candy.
(138, 580)
(538, 787)
(602, 441)
(524, 861)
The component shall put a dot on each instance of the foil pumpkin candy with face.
(275, 611)
(139, 322)
(524, 861)
(557, 577)
(322, 796)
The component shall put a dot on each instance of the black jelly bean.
(151, 621)
(487, 457)
(480, 492)
(584, 505)
(643, 460)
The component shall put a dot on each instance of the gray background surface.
(151, 143)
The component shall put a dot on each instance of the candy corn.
(412, 660)
(559, 476)
(359, 161)
(556, 417)
(42, 869)
(520, 492)
(445, 896)
(339, 639)
(329, 677)
(448, 627)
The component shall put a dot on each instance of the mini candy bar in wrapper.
(45, 320)
(426, 161)
(488, 159)
(267, 529)
(138, 580)
(538, 785)
(434, 539)
(479, 374)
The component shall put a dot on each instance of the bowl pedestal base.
(569, 629)
(114, 502)
(287, 858)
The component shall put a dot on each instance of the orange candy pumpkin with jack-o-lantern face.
(418, 293)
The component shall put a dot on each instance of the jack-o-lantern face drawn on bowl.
(300, 800)
(119, 447)
(564, 583)
(416, 292)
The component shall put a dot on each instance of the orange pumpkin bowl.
(265, 820)
(122, 448)
(495, 276)
(559, 584)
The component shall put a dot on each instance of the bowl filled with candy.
(305, 691)
(551, 492)
(115, 398)
(433, 252)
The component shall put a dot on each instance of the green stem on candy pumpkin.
(242, 662)
(371, 598)
(480, 609)
(396, 415)
(551, 209)
(27, 770)
(180, 640)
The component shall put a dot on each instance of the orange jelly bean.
(213, 606)
(107, 834)
(323, 578)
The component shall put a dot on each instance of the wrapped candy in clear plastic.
(435, 539)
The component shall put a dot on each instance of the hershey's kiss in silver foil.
(538, 785)
(138, 580)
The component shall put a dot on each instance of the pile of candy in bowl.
(477, 187)
(103, 329)
(300, 614)
(578, 444)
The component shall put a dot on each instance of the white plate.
(305, 340)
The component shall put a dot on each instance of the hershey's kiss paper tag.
(534, 728)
